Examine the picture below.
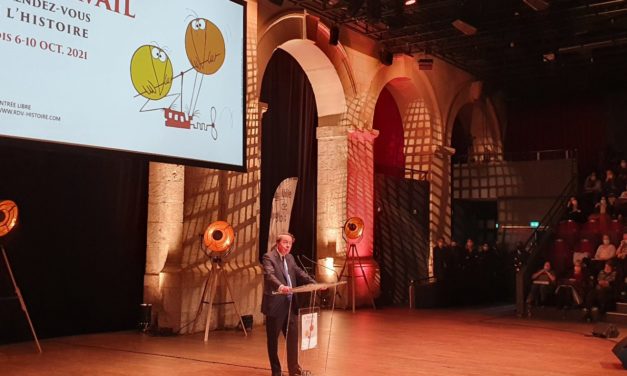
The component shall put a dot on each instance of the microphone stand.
(324, 266)
(337, 276)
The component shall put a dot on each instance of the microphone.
(324, 266)
(303, 266)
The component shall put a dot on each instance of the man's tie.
(287, 276)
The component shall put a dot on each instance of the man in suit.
(281, 274)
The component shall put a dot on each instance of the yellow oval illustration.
(151, 72)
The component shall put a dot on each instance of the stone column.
(360, 203)
(164, 240)
(332, 184)
(439, 198)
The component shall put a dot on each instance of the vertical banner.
(282, 203)
(309, 330)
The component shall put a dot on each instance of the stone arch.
(424, 133)
(410, 83)
(328, 69)
(469, 93)
(301, 35)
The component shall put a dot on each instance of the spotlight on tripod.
(353, 233)
(8, 221)
(353, 230)
(218, 240)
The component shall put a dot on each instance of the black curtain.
(78, 252)
(289, 148)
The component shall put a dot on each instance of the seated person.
(621, 255)
(603, 207)
(606, 250)
(610, 187)
(621, 176)
(592, 188)
(574, 213)
(621, 251)
(601, 296)
(572, 290)
(592, 184)
(542, 285)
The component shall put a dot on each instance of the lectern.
(315, 328)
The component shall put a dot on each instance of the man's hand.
(285, 289)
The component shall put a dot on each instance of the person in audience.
(621, 176)
(574, 213)
(440, 256)
(572, 290)
(603, 207)
(601, 296)
(592, 184)
(487, 264)
(621, 256)
(592, 188)
(606, 250)
(610, 188)
(542, 285)
(621, 251)
(469, 272)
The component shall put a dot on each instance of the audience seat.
(591, 231)
(568, 230)
(561, 256)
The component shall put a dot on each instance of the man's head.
(623, 163)
(606, 239)
(469, 243)
(284, 242)
(547, 266)
(440, 242)
(609, 267)
(609, 174)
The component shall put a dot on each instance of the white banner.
(282, 203)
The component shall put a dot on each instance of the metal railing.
(536, 155)
(538, 241)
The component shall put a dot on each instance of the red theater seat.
(568, 230)
(587, 246)
(560, 256)
(591, 231)
(615, 231)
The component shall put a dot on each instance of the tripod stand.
(216, 275)
(18, 294)
(352, 258)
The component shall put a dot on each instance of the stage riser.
(621, 307)
(616, 318)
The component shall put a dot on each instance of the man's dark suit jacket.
(274, 276)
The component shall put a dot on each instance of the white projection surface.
(158, 77)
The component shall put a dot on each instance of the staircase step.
(616, 318)
(621, 307)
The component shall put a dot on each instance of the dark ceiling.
(520, 46)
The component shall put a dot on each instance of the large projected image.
(157, 77)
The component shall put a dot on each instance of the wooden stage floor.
(383, 342)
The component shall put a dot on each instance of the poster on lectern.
(156, 77)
